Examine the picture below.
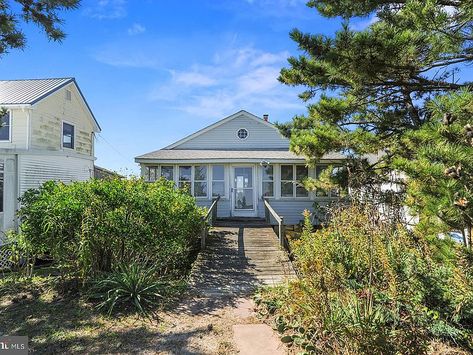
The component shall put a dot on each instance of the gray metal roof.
(29, 91)
(234, 155)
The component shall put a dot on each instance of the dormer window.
(67, 135)
(242, 133)
(5, 127)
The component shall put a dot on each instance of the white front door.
(243, 191)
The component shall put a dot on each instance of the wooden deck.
(239, 257)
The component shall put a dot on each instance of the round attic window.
(242, 133)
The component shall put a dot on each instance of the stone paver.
(257, 339)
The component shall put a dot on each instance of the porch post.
(282, 232)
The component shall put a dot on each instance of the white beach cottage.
(243, 159)
(46, 134)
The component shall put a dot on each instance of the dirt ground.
(69, 325)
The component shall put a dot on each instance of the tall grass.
(368, 286)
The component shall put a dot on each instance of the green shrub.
(133, 286)
(368, 286)
(94, 226)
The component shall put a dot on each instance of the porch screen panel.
(200, 181)
(218, 180)
(287, 180)
(152, 173)
(268, 181)
(301, 174)
(185, 177)
(167, 172)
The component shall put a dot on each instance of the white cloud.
(123, 57)
(107, 9)
(193, 79)
(364, 24)
(236, 78)
(136, 29)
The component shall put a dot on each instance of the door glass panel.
(243, 177)
(244, 199)
(243, 189)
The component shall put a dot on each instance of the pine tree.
(366, 89)
(440, 173)
(43, 13)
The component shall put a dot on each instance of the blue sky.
(154, 71)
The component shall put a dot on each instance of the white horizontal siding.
(225, 136)
(34, 170)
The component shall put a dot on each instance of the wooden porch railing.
(209, 220)
(268, 212)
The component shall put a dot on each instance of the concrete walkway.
(239, 257)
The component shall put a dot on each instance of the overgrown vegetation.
(128, 238)
(370, 287)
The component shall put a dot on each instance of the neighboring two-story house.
(46, 134)
(242, 158)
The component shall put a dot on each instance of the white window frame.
(157, 173)
(269, 181)
(9, 114)
(294, 182)
(192, 180)
(74, 140)
(212, 180)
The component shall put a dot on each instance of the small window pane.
(286, 189)
(200, 173)
(268, 173)
(268, 189)
(218, 172)
(151, 173)
(5, 127)
(301, 172)
(301, 191)
(287, 172)
(67, 135)
(200, 189)
(167, 172)
(185, 173)
(218, 188)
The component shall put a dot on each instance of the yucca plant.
(132, 286)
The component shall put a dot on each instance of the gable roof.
(31, 91)
(219, 123)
